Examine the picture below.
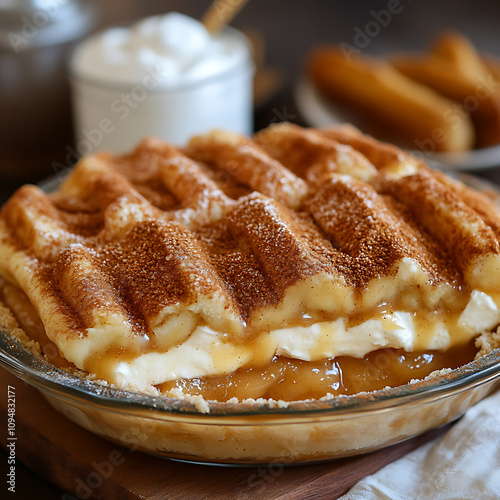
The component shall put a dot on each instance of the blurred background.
(35, 114)
(37, 36)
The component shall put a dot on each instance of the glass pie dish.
(257, 431)
(263, 431)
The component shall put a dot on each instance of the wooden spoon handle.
(220, 13)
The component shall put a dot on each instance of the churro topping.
(168, 264)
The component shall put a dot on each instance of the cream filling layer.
(208, 353)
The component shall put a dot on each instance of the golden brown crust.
(381, 154)
(311, 156)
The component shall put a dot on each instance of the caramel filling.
(282, 378)
(293, 380)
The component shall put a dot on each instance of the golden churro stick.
(493, 66)
(411, 111)
(458, 50)
(454, 69)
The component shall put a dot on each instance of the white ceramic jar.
(165, 76)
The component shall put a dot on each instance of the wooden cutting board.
(86, 466)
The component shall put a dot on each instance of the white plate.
(318, 112)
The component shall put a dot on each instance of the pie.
(297, 264)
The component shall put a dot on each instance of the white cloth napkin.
(463, 464)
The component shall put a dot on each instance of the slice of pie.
(299, 264)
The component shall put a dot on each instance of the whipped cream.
(208, 353)
(165, 76)
(176, 48)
